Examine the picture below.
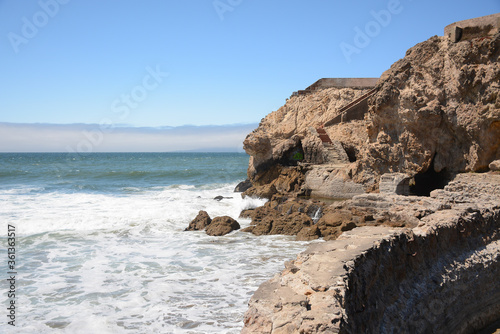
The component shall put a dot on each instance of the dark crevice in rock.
(293, 156)
(491, 329)
(352, 152)
(429, 180)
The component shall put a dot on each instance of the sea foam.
(122, 263)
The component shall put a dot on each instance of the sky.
(154, 64)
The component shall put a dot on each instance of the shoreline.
(427, 275)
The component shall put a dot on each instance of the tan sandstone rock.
(495, 165)
(222, 226)
(395, 264)
(200, 222)
(437, 275)
(436, 110)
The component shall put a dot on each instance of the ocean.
(97, 244)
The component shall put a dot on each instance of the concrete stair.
(355, 109)
(334, 153)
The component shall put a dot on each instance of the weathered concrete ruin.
(480, 27)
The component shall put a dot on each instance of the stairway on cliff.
(355, 109)
(334, 153)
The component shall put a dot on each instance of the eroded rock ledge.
(440, 276)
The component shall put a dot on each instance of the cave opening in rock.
(293, 156)
(424, 183)
(351, 151)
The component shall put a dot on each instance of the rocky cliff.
(440, 276)
(434, 113)
(424, 262)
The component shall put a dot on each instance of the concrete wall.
(473, 28)
(339, 83)
(344, 83)
(323, 182)
(356, 112)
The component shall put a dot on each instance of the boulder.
(495, 165)
(395, 183)
(200, 222)
(309, 233)
(243, 186)
(220, 198)
(265, 191)
(222, 226)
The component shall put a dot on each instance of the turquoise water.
(101, 247)
(116, 172)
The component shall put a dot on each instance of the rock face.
(200, 222)
(313, 219)
(414, 247)
(433, 114)
(222, 226)
(243, 186)
(215, 227)
(440, 276)
(438, 108)
(495, 165)
(287, 138)
(395, 183)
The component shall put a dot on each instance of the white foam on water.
(21, 190)
(94, 263)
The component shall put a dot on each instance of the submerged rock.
(220, 198)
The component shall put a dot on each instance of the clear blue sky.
(228, 61)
